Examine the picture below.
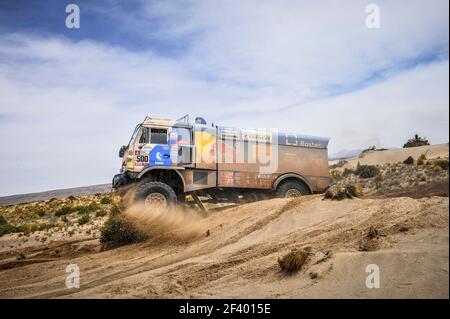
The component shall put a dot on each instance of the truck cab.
(157, 143)
(157, 150)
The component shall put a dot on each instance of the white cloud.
(385, 114)
(301, 47)
(66, 107)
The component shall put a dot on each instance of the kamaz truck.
(168, 159)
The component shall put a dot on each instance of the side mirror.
(122, 151)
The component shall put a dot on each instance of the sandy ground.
(239, 257)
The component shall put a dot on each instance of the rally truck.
(166, 160)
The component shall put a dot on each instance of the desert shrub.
(94, 206)
(119, 231)
(39, 213)
(64, 211)
(82, 209)
(335, 175)
(105, 200)
(293, 261)
(23, 229)
(84, 219)
(348, 171)
(101, 213)
(437, 168)
(354, 190)
(442, 163)
(409, 160)
(3, 220)
(378, 180)
(115, 210)
(369, 241)
(372, 233)
(7, 229)
(336, 192)
(423, 178)
(338, 164)
(46, 226)
(421, 160)
(416, 141)
(367, 171)
(60, 224)
(71, 197)
(86, 209)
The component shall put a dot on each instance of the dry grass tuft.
(372, 233)
(409, 160)
(293, 261)
(118, 231)
(421, 160)
(369, 241)
(336, 192)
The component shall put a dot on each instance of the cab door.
(159, 153)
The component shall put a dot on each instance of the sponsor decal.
(160, 156)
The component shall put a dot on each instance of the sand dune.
(397, 155)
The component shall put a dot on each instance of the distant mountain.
(57, 193)
(344, 154)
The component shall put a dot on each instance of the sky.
(69, 98)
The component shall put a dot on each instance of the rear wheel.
(156, 195)
(290, 189)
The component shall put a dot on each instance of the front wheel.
(292, 189)
(155, 195)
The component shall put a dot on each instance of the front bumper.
(123, 179)
(119, 180)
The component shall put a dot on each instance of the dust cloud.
(174, 222)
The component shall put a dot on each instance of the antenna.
(184, 119)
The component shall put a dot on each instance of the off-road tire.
(284, 188)
(156, 187)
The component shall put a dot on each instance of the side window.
(144, 136)
(158, 136)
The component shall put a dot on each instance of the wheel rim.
(293, 193)
(155, 200)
